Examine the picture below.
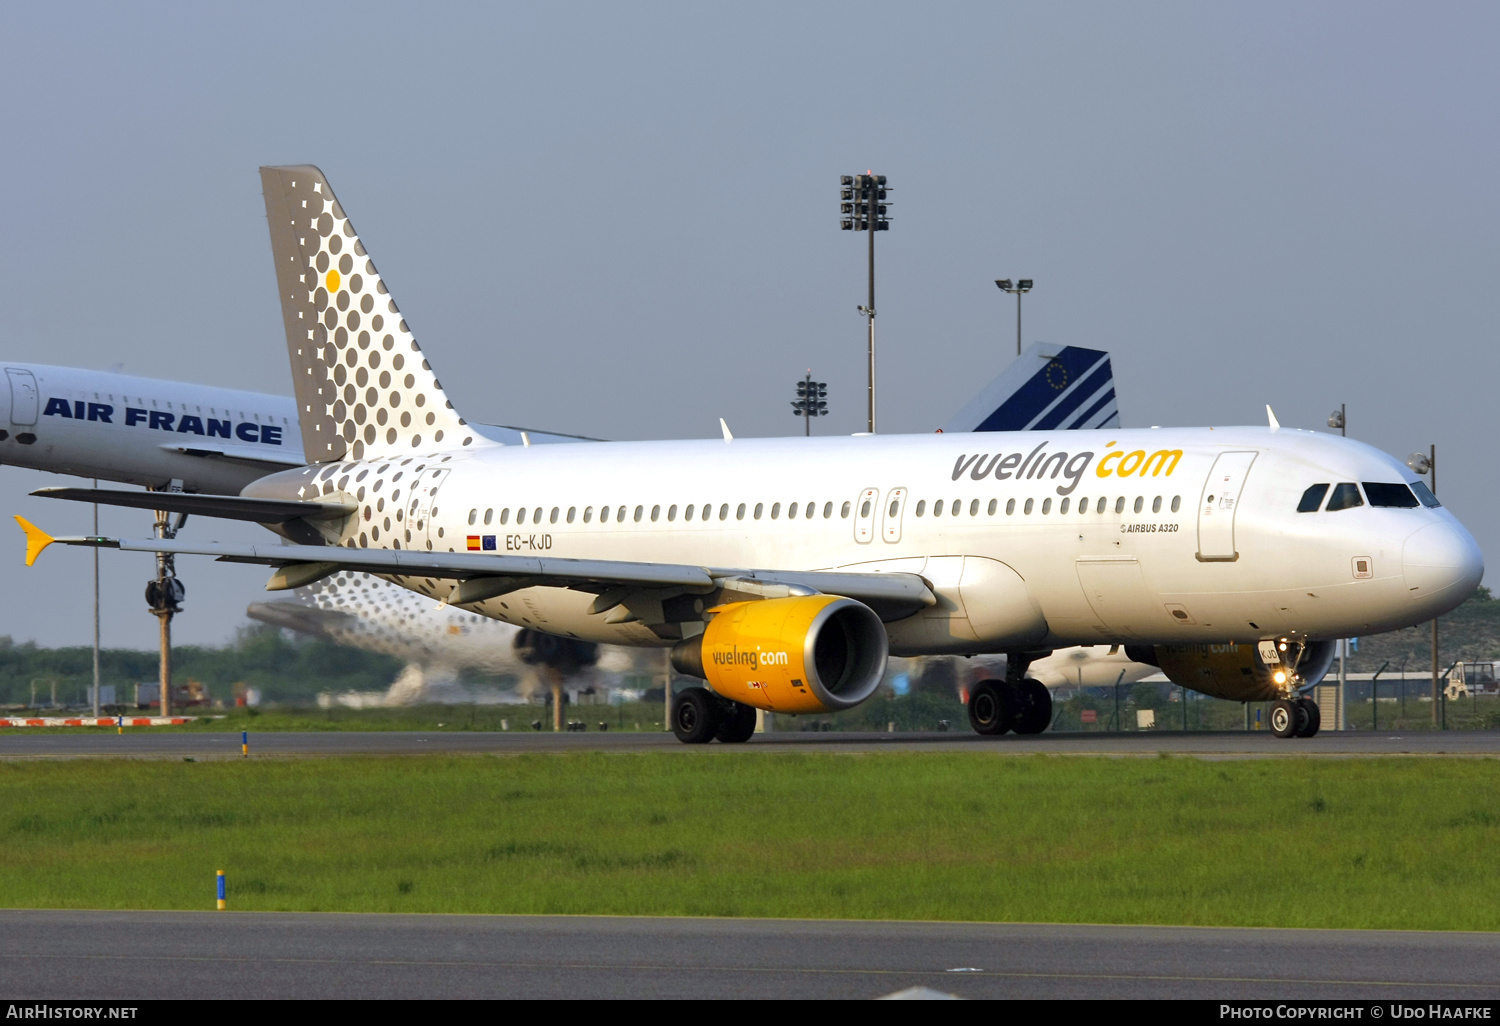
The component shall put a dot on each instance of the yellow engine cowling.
(1236, 671)
(808, 654)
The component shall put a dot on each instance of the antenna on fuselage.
(1271, 416)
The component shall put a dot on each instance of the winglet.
(1271, 416)
(36, 539)
(725, 428)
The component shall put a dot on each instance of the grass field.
(1384, 843)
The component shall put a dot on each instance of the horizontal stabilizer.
(228, 507)
(253, 456)
(1047, 388)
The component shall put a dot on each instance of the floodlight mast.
(862, 206)
(810, 401)
(1018, 289)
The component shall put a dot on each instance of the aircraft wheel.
(1035, 712)
(990, 708)
(737, 725)
(1313, 718)
(1284, 719)
(695, 716)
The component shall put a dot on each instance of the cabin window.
(1140, 503)
(864, 510)
(994, 505)
(671, 513)
(1312, 498)
(640, 511)
(759, 508)
(921, 507)
(895, 504)
(603, 515)
(1345, 496)
(620, 515)
(724, 511)
(1390, 495)
(572, 512)
(827, 510)
(687, 514)
(536, 516)
(1156, 504)
(655, 514)
(505, 516)
(1010, 507)
(1027, 509)
(844, 513)
(775, 510)
(553, 518)
(957, 507)
(1176, 503)
(489, 515)
(1062, 507)
(1120, 504)
(588, 515)
(739, 514)
(937, 509)
(473, 516)
(1046, 505)
(974, 508)
(791, 512)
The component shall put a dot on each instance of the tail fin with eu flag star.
(1047, 388)
(364, 389)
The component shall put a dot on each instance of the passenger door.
(1216, 509)
(23, 400)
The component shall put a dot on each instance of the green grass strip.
(1377, 843)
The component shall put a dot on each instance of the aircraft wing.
(617, 583)
(231, 507)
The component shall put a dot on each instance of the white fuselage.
(1045, 540)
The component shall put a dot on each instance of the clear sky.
(621, 219)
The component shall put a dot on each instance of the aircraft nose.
(1442, 565)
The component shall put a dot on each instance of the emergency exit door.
(1219, 504)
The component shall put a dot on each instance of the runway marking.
(644, 967)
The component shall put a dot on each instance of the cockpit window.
(1345, 496)
(1425, 494)
(1397, 495)
(1312, 498)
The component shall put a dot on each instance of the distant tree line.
(284, 667)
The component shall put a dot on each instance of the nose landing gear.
(1295, 717)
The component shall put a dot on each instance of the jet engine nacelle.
(808, 654)
(1236, 671)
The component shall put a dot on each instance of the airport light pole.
(1339, 419)
(1018, 289)
(1426, 463)
(810, 401)
(862, 209)
(95, 704)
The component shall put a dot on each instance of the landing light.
(1280, 676)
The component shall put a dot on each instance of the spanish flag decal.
(473, 543)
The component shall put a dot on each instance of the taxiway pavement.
(148, 743)
(143, 955)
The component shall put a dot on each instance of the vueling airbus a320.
(784, 571)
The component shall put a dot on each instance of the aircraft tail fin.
(363, 388)
(1048, 387)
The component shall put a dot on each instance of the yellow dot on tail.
(332, 281)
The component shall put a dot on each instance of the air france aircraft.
(783, 572)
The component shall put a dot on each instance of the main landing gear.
(997, 706)
(1295, 717)
(700, 716)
